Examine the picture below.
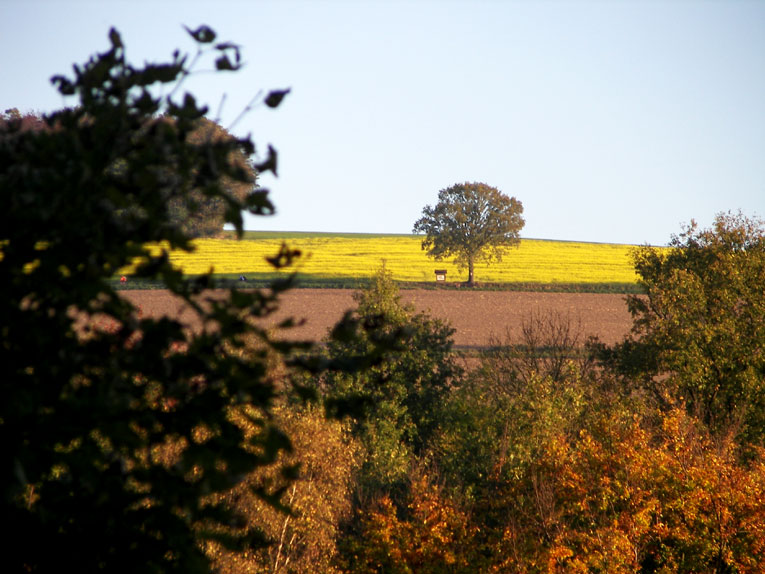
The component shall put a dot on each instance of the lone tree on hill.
(472, 222)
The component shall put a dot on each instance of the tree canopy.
(472, 222)
(198, 214)
(400, 391)
(699, 334)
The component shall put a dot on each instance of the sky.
(613, 122)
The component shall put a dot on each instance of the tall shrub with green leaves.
(115, 429)
(699, 334)
(400, 391)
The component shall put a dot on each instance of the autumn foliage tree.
(624, 496)
(472, 222)
(301, 532)
(22, 121)
(566, 468)
(430, 534)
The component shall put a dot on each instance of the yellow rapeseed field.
(359, 255)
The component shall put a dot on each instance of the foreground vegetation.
(343, 258)
(558, 455)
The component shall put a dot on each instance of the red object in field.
(123, 279)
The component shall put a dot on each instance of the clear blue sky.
(610, 121)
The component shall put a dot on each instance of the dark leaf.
(270, 162)
(258, 203)
(115, 39)
(223, 63)
(65, 86)
(275, 97)
(203, 34)
(284, 258)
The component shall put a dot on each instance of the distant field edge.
(251, 234)
(260, 281)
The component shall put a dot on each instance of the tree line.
(198, 214)
(139, 444)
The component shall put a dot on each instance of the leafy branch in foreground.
(116, 429)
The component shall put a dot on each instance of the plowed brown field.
(479, 317)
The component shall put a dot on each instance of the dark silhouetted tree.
(115, 430)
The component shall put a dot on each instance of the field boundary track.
(480, 318)
(264, 281)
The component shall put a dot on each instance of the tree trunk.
(470, 273)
